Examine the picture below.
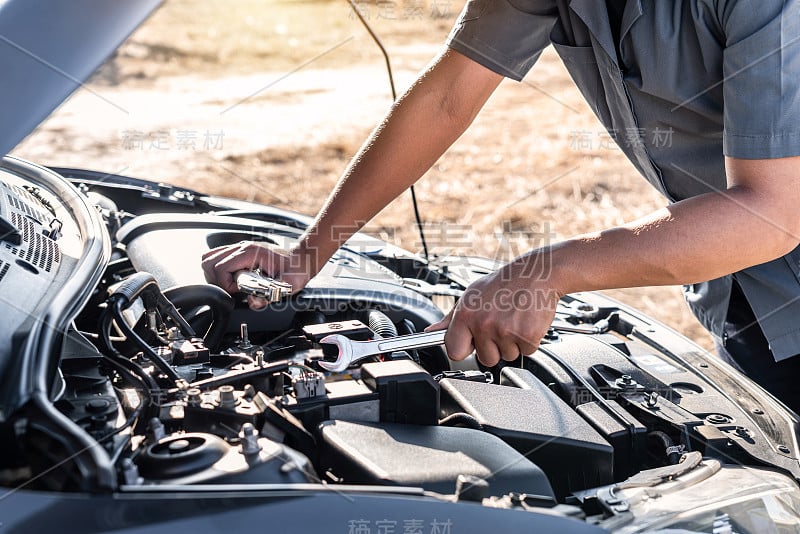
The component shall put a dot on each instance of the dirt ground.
(268, 100)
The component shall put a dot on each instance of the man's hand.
(504, 314)
(222, 264)
(754, 221)
(426, 120)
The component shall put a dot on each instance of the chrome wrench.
(351, 351)
(255, 284)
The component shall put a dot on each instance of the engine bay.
(181, 383)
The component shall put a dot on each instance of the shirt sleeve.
(761, 78)
(503, 35)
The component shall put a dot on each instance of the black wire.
(667, 446)
(394, 99)
(419, 223)
(130, 422)
(118, 361)
(164, 367)
(380, 45)
(133, 374)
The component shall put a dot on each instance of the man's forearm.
(691, 241)
(420, 127)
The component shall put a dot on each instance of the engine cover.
(170, 247)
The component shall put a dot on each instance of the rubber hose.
(133, 286)
(668, 446)
(117, 307)
(220, 302)
(380, 323)
(119, 361)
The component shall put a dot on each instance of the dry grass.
(517, 174)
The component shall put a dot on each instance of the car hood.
(49, 49)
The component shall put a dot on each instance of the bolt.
(226, 397)
(742, 432)
(260, 358)
(249, 440)
(584, 310)
(625, 382)
(758, 411)
(718, 419)
(249, 392)
(244, 342)
(551, 335)
(194, 396)
(173, 334)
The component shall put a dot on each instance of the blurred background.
(267, 101)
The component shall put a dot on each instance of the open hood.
(44, 58)
(136, 396)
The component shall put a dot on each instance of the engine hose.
(119, 359)
(133, 286)
(145, 285)
(128, 369)
(220, 302)
(380, 323)
(382, 326)
(666, 444)
(117, 308)
(461, 419)
(146, 402)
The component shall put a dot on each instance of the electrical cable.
(117, 308)
(121, 362)
(394, 99)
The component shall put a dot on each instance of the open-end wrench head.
(345, 356)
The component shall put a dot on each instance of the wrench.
(258, 285)
(351, 351)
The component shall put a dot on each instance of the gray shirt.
(688, 82)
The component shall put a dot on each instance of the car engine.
(180, 383)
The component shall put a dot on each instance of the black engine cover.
(430, 457)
